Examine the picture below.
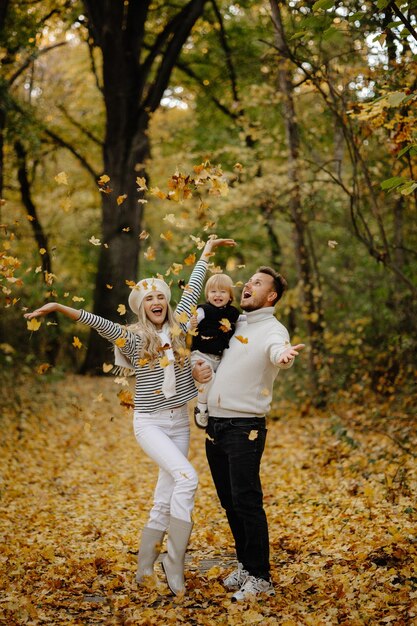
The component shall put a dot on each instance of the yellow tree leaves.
(33, 324)
(341, 518)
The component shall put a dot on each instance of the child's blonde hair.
(220, 281)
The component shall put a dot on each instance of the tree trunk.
(52, 343)
(132, 91)
(311, 306)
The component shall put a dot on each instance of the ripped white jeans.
(165, 436)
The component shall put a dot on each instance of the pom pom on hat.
(144, 288)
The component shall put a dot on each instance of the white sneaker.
(236, 578)
(253, 587)
(200, 417)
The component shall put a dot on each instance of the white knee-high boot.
(149, 549)
(173, 563)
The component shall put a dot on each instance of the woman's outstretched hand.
(213, 243)
(50, 307)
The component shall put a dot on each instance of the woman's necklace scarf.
(126, 368)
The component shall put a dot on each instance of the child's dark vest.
(211, 339)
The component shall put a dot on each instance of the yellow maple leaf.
(61, 178)
(143, 362)
(155, 191)
(120, 342)
(107, 367)
(121, 309)
(141, 183)
(169, 217)
(121, 199)
(164, 361)
(103, 179)
(95, 241)
(190, 260)
(126, 398)
(143, 235)
(253, 435)
(76, 343)
(168, 236)
(33, 324)
(150, 254)
(182, 318)
(42, 368)
(241, 339)
(225, 325)
(42, 251)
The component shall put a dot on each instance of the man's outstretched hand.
(290, 353)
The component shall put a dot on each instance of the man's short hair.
(280, 284)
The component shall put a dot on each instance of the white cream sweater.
(245, 377)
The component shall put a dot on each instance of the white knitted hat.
(143, 288)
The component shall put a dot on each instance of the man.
(238, 401)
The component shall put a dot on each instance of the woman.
(155, 349)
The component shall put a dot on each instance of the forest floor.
(340, 494)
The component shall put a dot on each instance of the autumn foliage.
(340, 494)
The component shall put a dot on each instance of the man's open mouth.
(246, 294)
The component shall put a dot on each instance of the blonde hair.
(220, 281)
(151, 346)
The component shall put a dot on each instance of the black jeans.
(234, 448)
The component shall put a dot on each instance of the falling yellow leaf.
(332, 244)
(141, 183)
(176, 331)
(121, 309)
(33, 324)
(168, 236)
(182, 318)
(61, 178)
(77, 299)
(42, 251)
(253, 435)
(120, 342)
(103, 179)
(143, 235)
(126, 398)
(238, 167)
(241, 339)
(164, 361)
(77, 343)
(150, 254)
(143, 362)
(94, 241)
(30, 218)
(225, 325)
(155, 191)
(121, 199)
(169, 217)
(42, 368)
(126, 230)
(107, 367)
(190, 259)
(109, 286)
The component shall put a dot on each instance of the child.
(215, 323)
(155, 348)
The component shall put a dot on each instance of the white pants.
(165, 437)
(213, 361)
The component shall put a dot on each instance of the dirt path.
(76, 489)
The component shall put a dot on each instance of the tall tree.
(311, 295)
(135, 74)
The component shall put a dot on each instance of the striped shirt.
(148, 389)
